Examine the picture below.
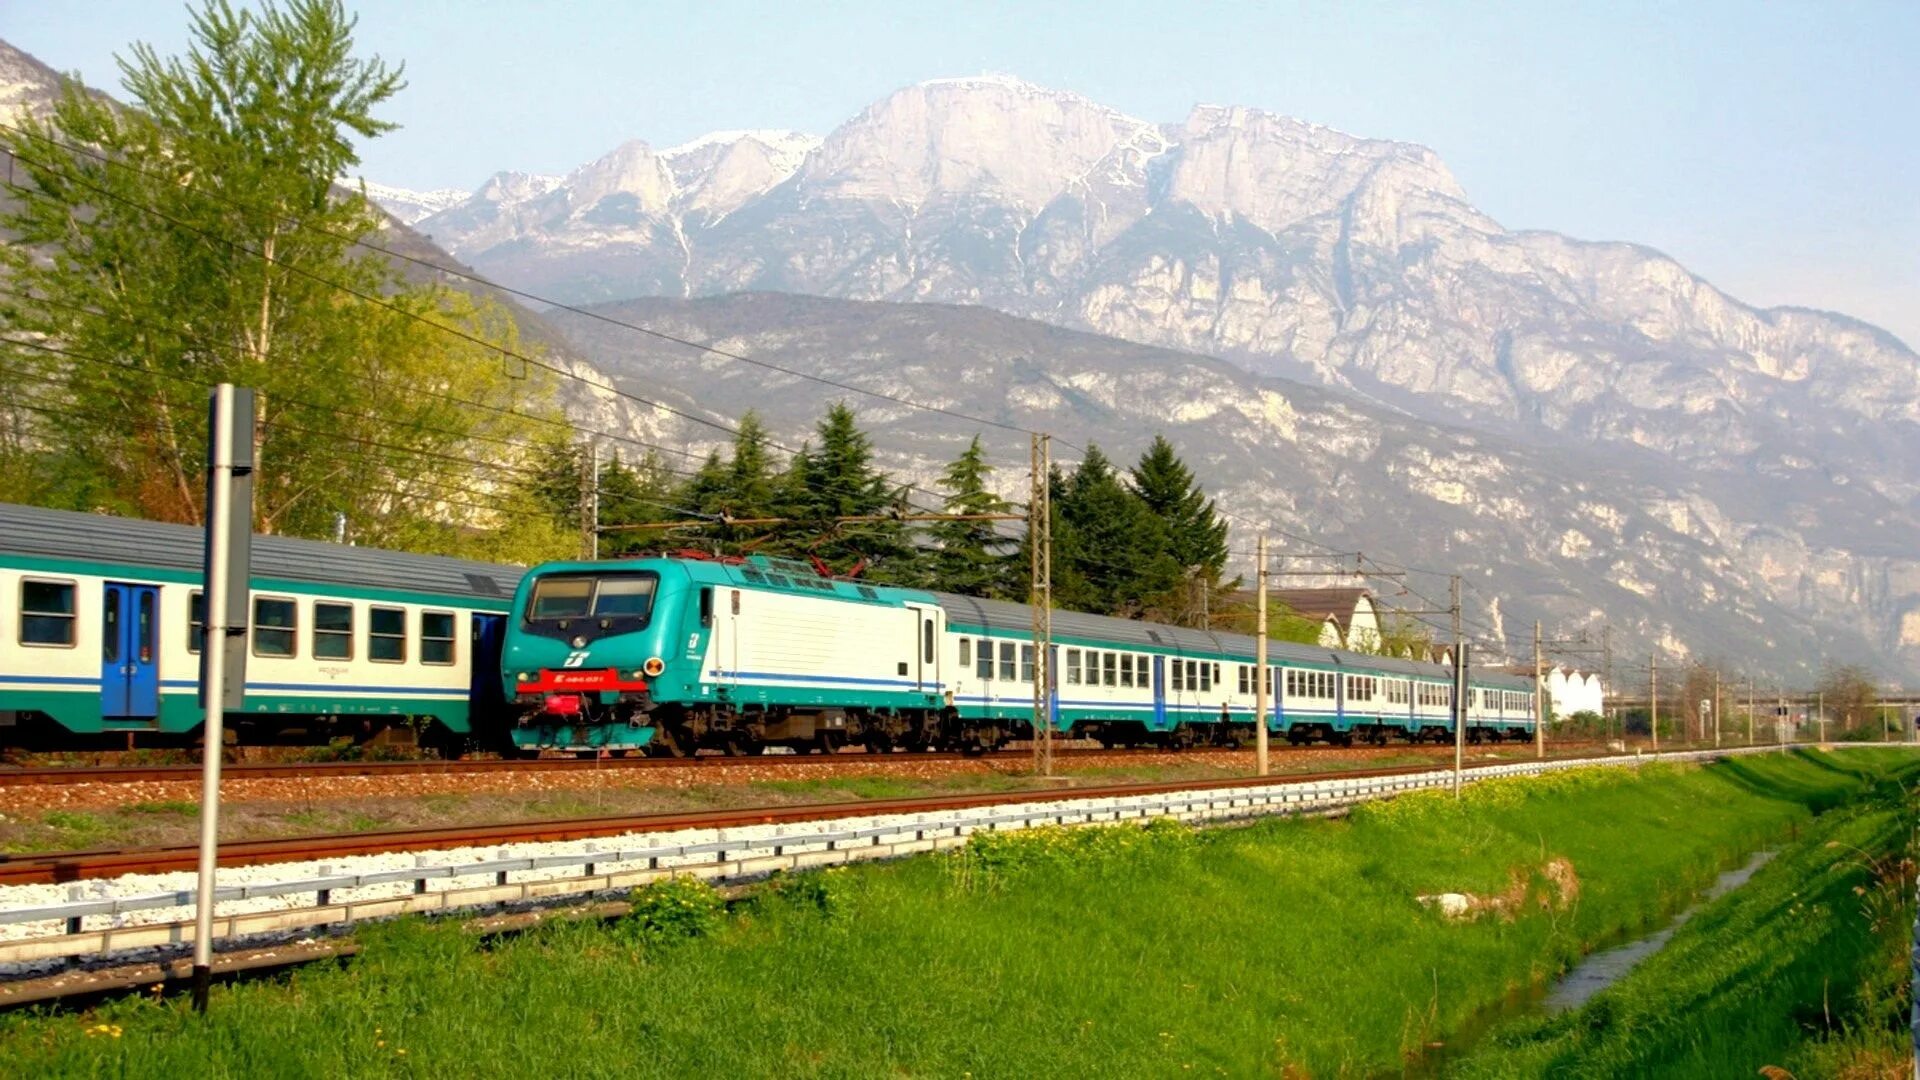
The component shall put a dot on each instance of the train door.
(1160, 692)
(483, 674)
(129, 660)
(926, 651)
(1053, 686)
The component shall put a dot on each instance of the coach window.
(966, 653)
(1026, 663)
(387, 635)
(1143, 673)
(1009, 669)
(436, 637)
(1209, 675)
(986, 660)
(1126, 670)
(926, 641)
(275, 624)
(196, 620)
(46, 613)
(1179, 675)
(1073, 667)
(1110, 669)
(332, 631)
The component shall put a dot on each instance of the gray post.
(1459, 691)
(1261, 691)
(230, 434)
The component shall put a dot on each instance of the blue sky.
(1773, 148)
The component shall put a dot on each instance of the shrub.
(673, 909)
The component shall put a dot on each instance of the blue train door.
(129, 660)
(484, 689)
(1160, 692)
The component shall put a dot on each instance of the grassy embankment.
(1287, 947)
(1804, 969)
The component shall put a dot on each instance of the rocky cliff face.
(1569, 534)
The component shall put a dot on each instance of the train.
(100, 635)
(679, 655)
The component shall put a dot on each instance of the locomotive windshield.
(579, 596)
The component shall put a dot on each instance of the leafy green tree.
(1118, 546)
(1196, 533)
(198, 237)
(972, 557)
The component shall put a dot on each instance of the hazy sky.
(1773, 148)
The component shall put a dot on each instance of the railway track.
(65, 775)
(57, 867)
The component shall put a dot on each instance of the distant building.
(1569, 691)
(1348, 617)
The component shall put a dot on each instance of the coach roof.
(64, 534)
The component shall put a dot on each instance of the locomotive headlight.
(523, 676)
(654, 666)
(579, 643)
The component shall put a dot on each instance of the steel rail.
(57, 867)
(63, 775)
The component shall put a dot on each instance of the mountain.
(407, 205)
(1566, 534)
(1292, 249)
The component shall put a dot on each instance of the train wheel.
(669, 741)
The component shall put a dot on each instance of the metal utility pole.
(1262, 686)
(1040, 552)
(1653, 701)
(1749, 710)
(1539, 698)
(223, 652)
(1459, 688)
(1820, 713)
(590, 502)
(1716, 708)
(1606, 677)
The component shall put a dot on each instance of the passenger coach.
(101, 631)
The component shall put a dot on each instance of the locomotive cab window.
(436, 637)
(387, 635)
(332, 631)
(276, 623)
(47, 613)
(559, 598)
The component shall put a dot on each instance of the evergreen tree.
(1196, 534)
(972, 557)
(636, 494)
(841, 481)
(1118, 545)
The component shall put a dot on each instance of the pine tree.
(972, 557)
(1116, 544)
(636, 494)
(1196, 534)
(842, 481)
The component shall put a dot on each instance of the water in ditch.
(1595, 973)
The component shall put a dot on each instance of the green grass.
(1289, 946)
(1805, 968)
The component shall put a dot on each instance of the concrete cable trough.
(133, 916)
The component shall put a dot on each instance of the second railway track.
(60, 775)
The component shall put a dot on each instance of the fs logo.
(575, 658)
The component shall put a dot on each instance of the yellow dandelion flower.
(379, 1042)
